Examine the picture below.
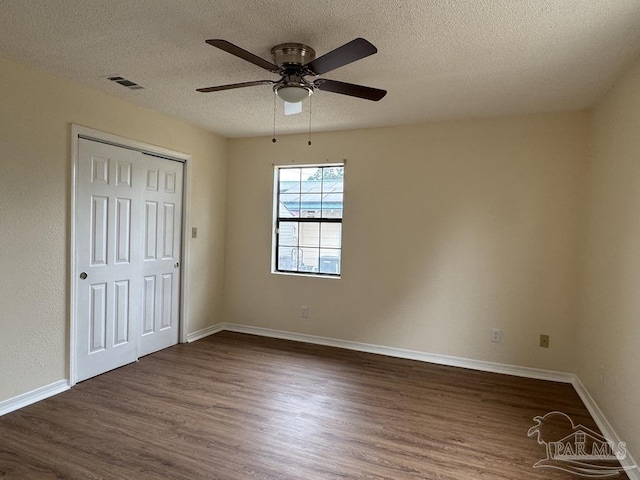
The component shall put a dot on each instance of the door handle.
(177, 264)
(83, 275)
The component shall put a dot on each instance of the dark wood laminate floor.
(235, 406)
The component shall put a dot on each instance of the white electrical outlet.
(304, 311)
(496, 335)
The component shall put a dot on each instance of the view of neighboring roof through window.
(308, 214)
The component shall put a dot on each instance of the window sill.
(308, 275)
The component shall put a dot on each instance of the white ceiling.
(438, 59)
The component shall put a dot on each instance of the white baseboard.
(205, 332)
(633, 471)
(402, 353)
(33, 396)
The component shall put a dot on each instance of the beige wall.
(609, 332)
(36, 113)
(449, 230)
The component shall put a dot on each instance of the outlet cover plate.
(544, 341)
(496, 335)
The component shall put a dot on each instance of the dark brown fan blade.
(360, 91)
(235, 85)
(347, 53)
(243, 54)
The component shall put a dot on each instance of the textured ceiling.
(438, 59)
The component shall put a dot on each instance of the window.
(308, 208)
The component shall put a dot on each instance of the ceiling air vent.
(126, 83)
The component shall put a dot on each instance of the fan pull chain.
(274, 117)
(309, 142)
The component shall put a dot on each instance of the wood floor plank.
(236, 407)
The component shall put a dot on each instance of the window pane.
(288, 258)
(309, 259)
(332, 186)
(310, 205)
(309, 234)
(311, 175)
(332, 205)
(333, 179)
(289, 205)
(331, 235)
(329, 261)
(311, 186)
(288, 234)
(289, 179)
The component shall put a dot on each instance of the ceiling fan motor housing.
(292, 54)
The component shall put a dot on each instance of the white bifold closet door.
(128, 244)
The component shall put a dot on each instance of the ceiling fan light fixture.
(293, 93)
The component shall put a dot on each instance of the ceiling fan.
(295, 61)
